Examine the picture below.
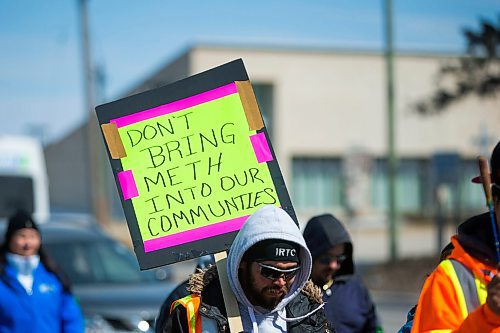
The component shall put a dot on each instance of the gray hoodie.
(266, 223)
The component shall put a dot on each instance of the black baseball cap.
(273, 250)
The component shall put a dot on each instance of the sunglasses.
(274, 273)
(326, 260)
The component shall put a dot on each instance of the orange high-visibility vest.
(448, 299)
(471, 291)
(191, 303)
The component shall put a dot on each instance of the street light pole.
(392, 161)
(96, 181)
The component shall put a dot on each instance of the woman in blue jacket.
(34, 297)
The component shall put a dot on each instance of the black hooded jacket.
(206, 283)
(348, 303)
(476, 237)
(324, 232)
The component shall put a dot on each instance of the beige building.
(326, 112)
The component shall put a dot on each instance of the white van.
(23, 177)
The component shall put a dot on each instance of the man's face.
(25, 242)
(268, 291)
(327, 264)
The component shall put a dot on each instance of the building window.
(471, 195)
(416, 184)
(323, 184)
(411, 185)
(317, 183)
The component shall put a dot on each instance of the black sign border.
(196, 84)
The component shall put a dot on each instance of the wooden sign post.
(232, 310)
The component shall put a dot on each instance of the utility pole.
(96, 180)
(392, 161)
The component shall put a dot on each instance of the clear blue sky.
(41, 84)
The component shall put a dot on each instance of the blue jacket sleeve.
(406, 328)
(71, 315)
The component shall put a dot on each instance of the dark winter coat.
(206, 284)
(349, 306)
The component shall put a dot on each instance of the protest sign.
(192, 160)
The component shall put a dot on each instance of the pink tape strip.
(127, 183)
(181, 104)
(194, 235)
(261, 147)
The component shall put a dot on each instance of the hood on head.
(269, 222)
(476, 237)
(322, 232)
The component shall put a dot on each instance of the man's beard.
(256, 296)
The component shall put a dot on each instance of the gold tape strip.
(113, 140)
(250, 106)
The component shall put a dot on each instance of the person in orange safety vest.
(463, 293)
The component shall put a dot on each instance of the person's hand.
(493, 299)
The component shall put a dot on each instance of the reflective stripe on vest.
(481, 290)
(468, 287)
(191, 303)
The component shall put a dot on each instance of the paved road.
(392, 308)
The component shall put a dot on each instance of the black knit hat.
(273, 249)
(19, 220)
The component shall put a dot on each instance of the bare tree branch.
(477, 73)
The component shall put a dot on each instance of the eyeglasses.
(274, 273)
(327, 259)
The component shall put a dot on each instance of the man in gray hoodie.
(268, 269)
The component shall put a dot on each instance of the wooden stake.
(232, 310)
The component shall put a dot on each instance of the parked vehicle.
(23, 177)
(115, 296)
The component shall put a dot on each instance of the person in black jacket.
(179, 292)
(348, 303)
(268, 268)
